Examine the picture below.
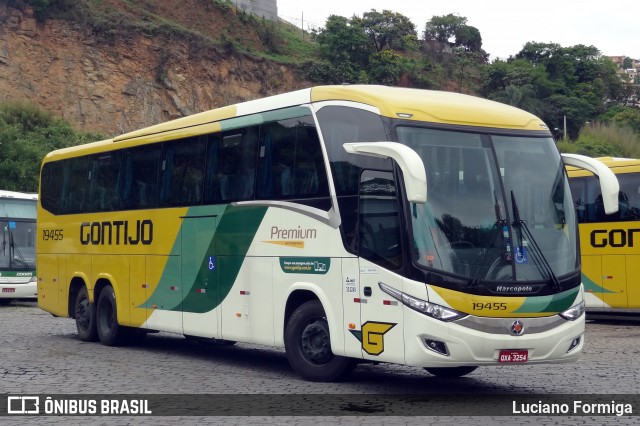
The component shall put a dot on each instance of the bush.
(599, 139)
(27, 134)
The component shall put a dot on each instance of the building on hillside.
(267, 9)
(627, 74)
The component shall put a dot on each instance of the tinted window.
(291, 162)
(104, 178)
(140, 177)
(237, 158)
(379, 219)
(182, 172)
(342, 125)
(588, 199)
(75, 178)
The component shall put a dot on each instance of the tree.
(569, 81)
(468, 37)
(442, 29)
(27, 134)
(577, 112)
(385, 67)
(387, 29)
(343, 40)
(523, 97)
(624, 116)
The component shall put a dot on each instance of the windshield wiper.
(499, 225)
(15, 253)
(538, 256)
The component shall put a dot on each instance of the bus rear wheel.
(86, 317)
(451, 371)
(110, 332)
(308, 346)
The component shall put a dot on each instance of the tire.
(308, 346)
(110, 332)
(86, 317)
(451, 371)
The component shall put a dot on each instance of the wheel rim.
(315, 343)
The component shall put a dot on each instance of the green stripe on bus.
(591, 286)
(219, 264)
(553, 303)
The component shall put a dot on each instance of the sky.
(505, 25)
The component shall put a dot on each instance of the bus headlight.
(574, 312)
(33, 278)
(431, 309)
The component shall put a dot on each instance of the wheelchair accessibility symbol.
(212, 263)
(522, 256)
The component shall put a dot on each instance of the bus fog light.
(436, 346)
(575, 342)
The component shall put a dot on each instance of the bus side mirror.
(415, 177)
(609, 185)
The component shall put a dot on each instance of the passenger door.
(200, 272)
(381, 331)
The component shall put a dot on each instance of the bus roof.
(18, 195)
(394, 102)
(416, 104)
(616, 164)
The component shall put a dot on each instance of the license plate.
(8, 290)
(513, 356)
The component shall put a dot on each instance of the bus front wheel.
(86, 317)
(451, 371)
(308, 346)
(110, 332)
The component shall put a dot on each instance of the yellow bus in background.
(303, 221)
(609, 243)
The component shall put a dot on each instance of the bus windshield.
(17, 246)
(498, 207)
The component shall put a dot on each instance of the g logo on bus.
(517, 327)
(371, 336)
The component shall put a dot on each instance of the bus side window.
(75, 185)
(578, 194)
(310, 177)
(237, 171)
(52, 186)
(379, 221)
(275, 162)
(212, 183)
(103, 183)
(139, 189)
(182, 172)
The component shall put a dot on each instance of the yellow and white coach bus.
(17, 246)
(302, 221)
(610, 243)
